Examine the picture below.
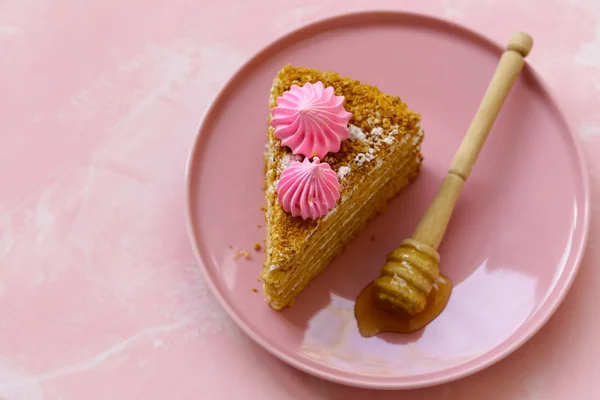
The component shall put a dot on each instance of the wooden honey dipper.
(411, 270)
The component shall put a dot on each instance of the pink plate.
(514, 243)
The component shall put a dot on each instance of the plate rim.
(462, 370)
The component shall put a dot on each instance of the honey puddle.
(373, 320)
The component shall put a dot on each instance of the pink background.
(100, 295)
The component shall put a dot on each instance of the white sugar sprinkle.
(287, 159)
(360, 159)
(377, 132)
(356, 133)
(388, 140)
(343, 171)
(419, 134)
(371, 154)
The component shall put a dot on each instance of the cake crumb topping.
(257, 246)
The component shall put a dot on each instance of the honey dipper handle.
(433, 225)
(506, 73)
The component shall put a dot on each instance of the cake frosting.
(311, 120)
(308, 189)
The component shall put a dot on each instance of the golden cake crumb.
(242, 254)
(259, 226)
(254, 289)
(231, 246)
(257, 246)
(263, 208)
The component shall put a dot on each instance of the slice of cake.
(334, 159)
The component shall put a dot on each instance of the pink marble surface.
(100, 295)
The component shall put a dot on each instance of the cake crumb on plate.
(242, 254)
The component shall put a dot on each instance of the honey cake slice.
(380, 157)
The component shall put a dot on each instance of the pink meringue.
(311, 120)
(308, 189)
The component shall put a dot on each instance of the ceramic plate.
(513, 245)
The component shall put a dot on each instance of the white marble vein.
(96, 360)
(589, 53)
(588, 130)
(9, 30)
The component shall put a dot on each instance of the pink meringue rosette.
(308, 189)
(311, 120)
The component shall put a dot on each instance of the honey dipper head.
(521, 43)
(407, 278)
